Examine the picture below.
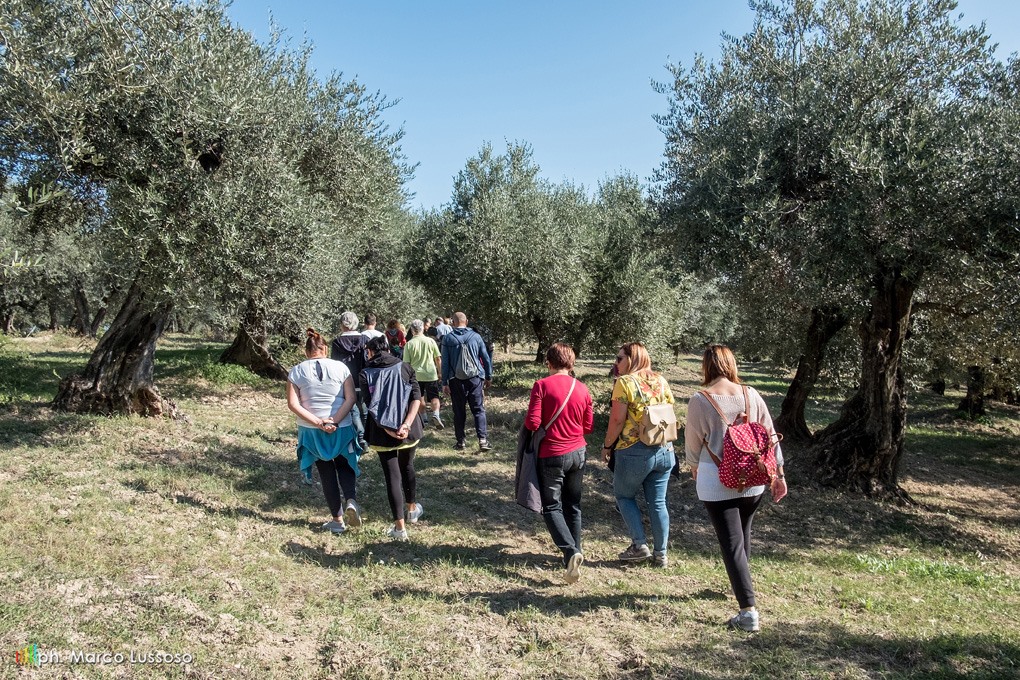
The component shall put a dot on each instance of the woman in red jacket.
(561, 405)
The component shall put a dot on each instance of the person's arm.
(348, 404)
(533, 419)
(294, 404)
(588, 423)
(617, 417)
(483, 356)
(445, 362)
(778, 487)
(405, 427)
(695, 433)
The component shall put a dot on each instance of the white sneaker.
(746, 621)
(574, 568)
(397, 534)
(415, 514)
(352, 514)
(337, 527)
(437, 423)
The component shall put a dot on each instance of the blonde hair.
(638, 359)
(718, 361)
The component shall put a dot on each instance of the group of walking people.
(389, 396)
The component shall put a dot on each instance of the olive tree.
(199, 144)
(854, 146)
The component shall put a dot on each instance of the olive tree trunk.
(826, 322)
(118, 376)
(862, 450)
(250, 349)
(973, 405)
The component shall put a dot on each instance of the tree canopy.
(847, 151)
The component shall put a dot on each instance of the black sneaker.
(484, 445)
(459, 446)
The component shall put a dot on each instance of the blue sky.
(571, 78)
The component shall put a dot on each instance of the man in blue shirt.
(467, 372)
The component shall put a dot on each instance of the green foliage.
(219, 169)
(834, 140)
(535, 259)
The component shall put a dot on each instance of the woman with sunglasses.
(639, 467)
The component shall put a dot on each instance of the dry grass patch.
(196, 536)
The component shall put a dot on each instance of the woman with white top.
(730, 511)
(320, 391)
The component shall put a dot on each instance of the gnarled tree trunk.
(974, 403)
(249, 348)
(118, 376)
(825, 323)
(542, 335)
(862, 450)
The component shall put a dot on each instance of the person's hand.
(778, 489)
(488, 383)
(327, 425)
(694, 472)
(446, 390)
(606, 454)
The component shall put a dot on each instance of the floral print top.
(638, 392)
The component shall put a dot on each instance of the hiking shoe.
(636, 553)
(352, 513)
(484, 445)
(660, 559)
(415, 514)
(574, 568)
(437, 423)
(746, 621)
(335, 526)
(306, 479)
(397, 534)
(459, 446)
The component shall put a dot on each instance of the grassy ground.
(196, 537)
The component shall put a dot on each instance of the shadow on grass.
(30, 423)
(37, 376)
(817, 649)
(273, 479)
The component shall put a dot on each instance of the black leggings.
(336, 474)
(398, 468)
(732, 521)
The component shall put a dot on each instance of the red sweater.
(567, 433)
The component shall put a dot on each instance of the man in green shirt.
(422, 353)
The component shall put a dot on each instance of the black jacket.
(374, 434)
(350, 350)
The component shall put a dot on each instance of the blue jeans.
(559, 479)
(465, 394)
(644, 467)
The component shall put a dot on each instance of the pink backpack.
(749, 449)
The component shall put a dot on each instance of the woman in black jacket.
(394, 428)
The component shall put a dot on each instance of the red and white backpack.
(749, 449)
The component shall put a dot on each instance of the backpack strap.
(722, 417)
(747, 403)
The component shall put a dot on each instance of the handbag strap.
(556, 415)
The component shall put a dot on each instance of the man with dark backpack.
(349, 349)
(467, 371)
